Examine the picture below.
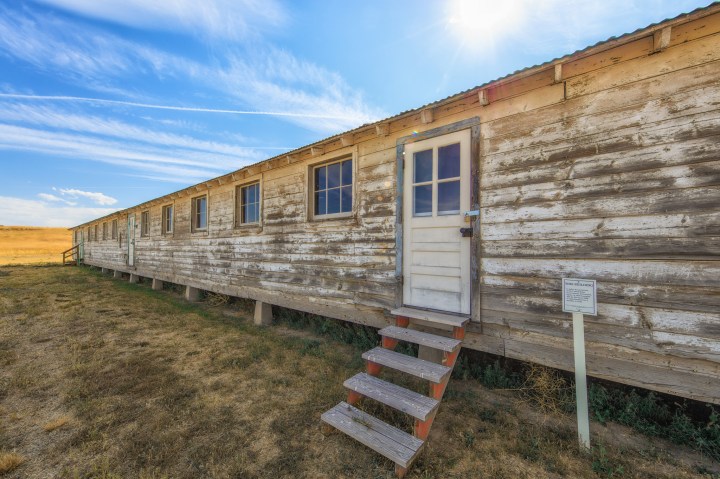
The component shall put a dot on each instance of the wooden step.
(391, 442)
(448, 319)
(405, 400)
(433, 372)
(424, 339)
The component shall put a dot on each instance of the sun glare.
(479, 23)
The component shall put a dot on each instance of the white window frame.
(165, 209)
(239, 206)
(145, 223)
(311, 188)
(193, 211)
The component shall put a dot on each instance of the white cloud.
(96, 197)
(227, 19)
(22, 212)
(57, 199)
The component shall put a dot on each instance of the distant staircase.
(391, 442)
(71, 257)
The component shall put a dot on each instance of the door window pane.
(422, 200)
(449, 161)
(250, 203)
(320, 179)
(201, 213)
(333, 175)
(423, 166)
(449, 197)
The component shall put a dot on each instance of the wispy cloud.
(263, 79)
(226, 19)
(174, 108)
(94, 196)
(191, 165)
(23, 212)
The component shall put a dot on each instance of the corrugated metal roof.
(610, 42)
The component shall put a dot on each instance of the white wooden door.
(436, 258)
(131, 240)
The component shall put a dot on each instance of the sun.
(479, 23)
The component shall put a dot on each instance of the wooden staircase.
(391, 442)
(71, 257)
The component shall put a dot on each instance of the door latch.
(466, 232)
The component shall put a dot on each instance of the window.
(145, 223)
(95, 234)
(113, 229)
(444, 174)
(168, 218)
(105, 231)
(248, 204)
(199, 213)
(89, 238)
(332, 189)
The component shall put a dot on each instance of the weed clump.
(10, 461)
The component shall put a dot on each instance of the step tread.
(391, 442)
(424, 339)
(448, 319)
(433, 372)
(405, 400)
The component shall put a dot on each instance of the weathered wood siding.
(607, 167)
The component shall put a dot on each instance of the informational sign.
(579, 296)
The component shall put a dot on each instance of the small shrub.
(602, 465)
(10, 461)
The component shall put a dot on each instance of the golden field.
(33, 245)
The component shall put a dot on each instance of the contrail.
(175, 108)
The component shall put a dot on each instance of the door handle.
(466, 232)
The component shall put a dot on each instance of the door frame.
(473, 124)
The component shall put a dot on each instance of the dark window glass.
(321, 203)
(449, 161)
(449, 197)
(320, 179)
(347, 173)
(346, 199)
(423, 200)
(333, 188)
(423, 166)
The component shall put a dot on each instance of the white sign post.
(580, 297)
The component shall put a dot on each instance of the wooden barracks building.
(465, 214)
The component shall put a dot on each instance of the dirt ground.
(103, 379)
(33, 245)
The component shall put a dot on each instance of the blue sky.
(106, 104)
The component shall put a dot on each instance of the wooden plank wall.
(610, 172)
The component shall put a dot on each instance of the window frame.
(114, 229)
(311, 188)
(95, 232)
(239, 206)
(193, 213)
(171, 208)
(145, 224)
(104, 230)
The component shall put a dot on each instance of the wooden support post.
(117, 274)
(134, 278)
(400, 471)
(192, 294)
(661, 39)
(426, 116)
(263, 314)
(483, 97)
(157, 285)
(104, 270)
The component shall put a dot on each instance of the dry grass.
(33, 245)
(10, 461)
(56, 423)
(159, 388)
